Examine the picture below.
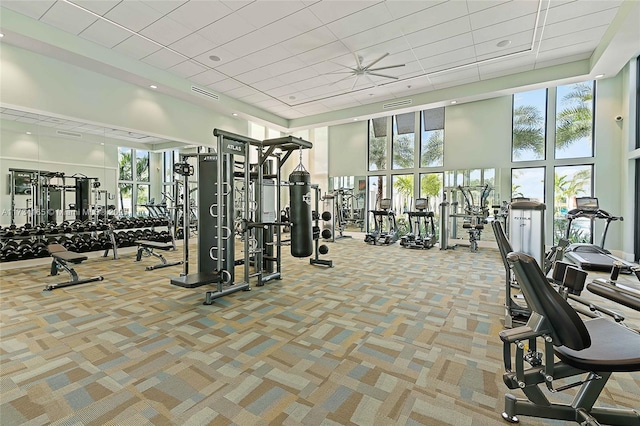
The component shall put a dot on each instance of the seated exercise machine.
(595, 348)
(474, 215)
(591, 256)
(61, 260)
(383, 234)
(146, 248)
(567, 279)
(422, 231)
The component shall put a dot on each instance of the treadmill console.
(587, 204)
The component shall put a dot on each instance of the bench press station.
(146, 248)
(61, 259)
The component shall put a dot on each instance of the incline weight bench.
(61, 259)
(146, 248)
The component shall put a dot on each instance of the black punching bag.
(300, 215)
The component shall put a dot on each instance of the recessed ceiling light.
(599, 76)
(28, 133)
(1, 35)
(102, 143)
(454, 102)
(235, 114)
(153, 86)
(503, 43)
(355, 119)
(214, 58)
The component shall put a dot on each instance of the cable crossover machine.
(236, 197)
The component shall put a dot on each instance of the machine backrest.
(567, 328)
(503, 243)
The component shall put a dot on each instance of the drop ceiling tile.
(438, 32)
(192, 45)
(298, 75)
(580, 23)
(96, 6)
(207, 77)
(268, 56)
(261, 13)
(105, 34)
(503, 13)
(569, 10)
(165, 31)
(164, 6)
(226, 29)
(237, 4)
(196, 15)
(133, 15)
(268, 84)
(309, 41)
(225, 56)
(282, 92)
(409, 70)
(505, 30)
(443, 47)
(363, 20)
(435, 15)
(187, 69)
(33, 9)
(457, 82)
(330, 11)
(163, 59)
(256, 97)
(253, 76)
(241, 92)
(324, 53)
(311, 109)
(401, 8)
(448, 60)
(225, 85)
(592, 35)
(380, 34)
(237, 67)
(520, 41)
(68, 18)
(478, 5)
(136, 47)
(283, 67)
(268, 103)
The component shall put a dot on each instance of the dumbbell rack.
(28, 243)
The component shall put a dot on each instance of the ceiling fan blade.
(371, 80)
(339, 72)
(354, 82)
(342, 66)
(376, 61)
(342, 79)
(382, 75)
(358, 64)
(386, 68)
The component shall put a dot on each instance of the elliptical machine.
(381, 234)
(420, 220)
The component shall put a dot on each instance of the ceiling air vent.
(69, 134)
(205, 93)
(397, 104)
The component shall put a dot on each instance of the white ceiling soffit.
(287, 62)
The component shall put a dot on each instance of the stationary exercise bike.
(420, 220)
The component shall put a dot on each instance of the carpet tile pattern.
(388, 336)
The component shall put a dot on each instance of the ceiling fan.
(362, 70)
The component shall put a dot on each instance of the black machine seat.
(595, 347)
(154, 244)
(613, 348)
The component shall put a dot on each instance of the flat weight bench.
(61, 260)
(146, 248)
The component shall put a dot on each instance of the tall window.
(432, 138)
(571, 182)
(376, 191)
(528, 182)
(402, 193)
(529, 124)
(574, 120)
(133, 178)
(404, 141)
(378, 144)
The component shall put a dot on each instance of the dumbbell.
(40, 249)
(25, 251)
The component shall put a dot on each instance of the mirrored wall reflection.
(54, 169)
(349, 200)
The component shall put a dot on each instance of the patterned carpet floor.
(388, 336)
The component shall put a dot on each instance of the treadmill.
(590, 256)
